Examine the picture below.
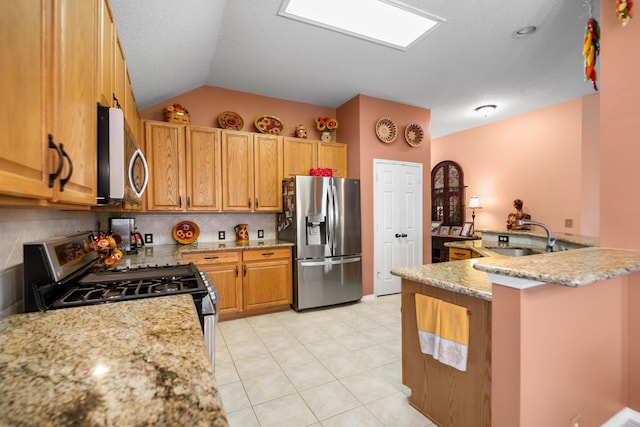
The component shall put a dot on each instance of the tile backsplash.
(18, 226)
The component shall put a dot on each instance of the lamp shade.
(474, 202)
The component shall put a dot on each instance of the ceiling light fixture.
(381, 21)
(524, 32)
(485, 110)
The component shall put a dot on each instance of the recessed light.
(485, 110)
(524, 32)
(380, 21)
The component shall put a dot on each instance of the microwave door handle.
(132, 161)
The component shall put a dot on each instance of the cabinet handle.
(211, 257)
(56, 174)
(267, 253)
(249, 203)
(236, 271)
(66, 179)
(180, 201)
(188, 202)
(244, 270)
(116, 101)
(257, 204)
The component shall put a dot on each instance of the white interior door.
(397, 221)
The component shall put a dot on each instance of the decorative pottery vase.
(301, 132)
(242, 234)
(326, 136)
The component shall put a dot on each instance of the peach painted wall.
(206, 103)
(620, 151)
(565, 359)
(364, 147)
(536, 157)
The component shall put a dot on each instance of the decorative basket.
(177, 117)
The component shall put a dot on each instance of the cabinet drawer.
(456, 254)
(265, 254)
(212, 257)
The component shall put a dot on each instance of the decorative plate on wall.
(386, 130)
(186, 232)
(230, 120)
(413, 134)
(269, 124)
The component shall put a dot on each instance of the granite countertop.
(140, 362)
(456, 276)
(172, 254)
(577, 267)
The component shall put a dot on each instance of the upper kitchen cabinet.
(184, 167)
(49, 84)
(302, 155)
(251, 172)
(106, 72)
(333, 155)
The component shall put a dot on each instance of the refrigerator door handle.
(330, 262)
(330, 218)
(336, 219)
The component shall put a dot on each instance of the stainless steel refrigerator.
(322, 217)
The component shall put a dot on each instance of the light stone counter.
(456, 276)
(172, 254)
(141, 362)
(577, 267)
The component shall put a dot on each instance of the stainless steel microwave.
(123, 173)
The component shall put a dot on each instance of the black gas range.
(66, 272)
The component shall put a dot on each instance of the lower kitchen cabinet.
(266, 280)
(251, 281)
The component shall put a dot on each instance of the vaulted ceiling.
(471, 59)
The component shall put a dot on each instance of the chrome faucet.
(550, 241)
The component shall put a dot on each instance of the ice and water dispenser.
(316, 229)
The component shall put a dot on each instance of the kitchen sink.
(514, 251)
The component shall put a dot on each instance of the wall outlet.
(568, 223)
(220, 235)
(260, 234)
(148, 238)
(503, 239)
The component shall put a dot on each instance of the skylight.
(385, 22)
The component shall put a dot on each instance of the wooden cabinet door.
(268, 173)
(237, 171)
(75, 58)
(120, 76)
(165, 158)
(299, 156)
(203, 169)
(24, 165)
(266, 278)
(223, 268)
(333, 155)
(106, 57)
(226, 279)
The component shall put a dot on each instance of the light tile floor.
(331, 367)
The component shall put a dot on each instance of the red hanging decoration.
(591, 50)
(623, 11)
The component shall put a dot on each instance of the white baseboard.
(625, 418)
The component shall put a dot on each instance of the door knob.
(404, 235)
(397, 235)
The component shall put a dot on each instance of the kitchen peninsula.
(139, 362)
(538, 326)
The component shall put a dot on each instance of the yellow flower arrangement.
(326, 124)
(177, 108)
